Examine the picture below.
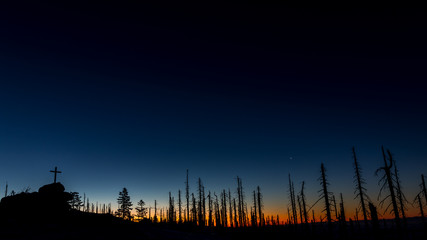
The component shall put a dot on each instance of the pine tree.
(76, 201)
(124, 204)
(141, 211)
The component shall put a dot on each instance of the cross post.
(56, 171)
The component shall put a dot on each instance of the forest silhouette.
(52, 212)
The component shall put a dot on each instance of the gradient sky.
(133, 95)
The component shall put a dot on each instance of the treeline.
(238, 208)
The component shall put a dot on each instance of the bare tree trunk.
(292, 198)
(261, 218)
(230, 208)
(359, 187)
(210, 223)
(420, 204)
(236, 223)
(326, 195)
(300, 208)
(390, 184)
(254, 213)
(400, 195)
(179, 207)
(303, 203)
(187, 196)
(335, 207)
(200, 214)
(424, 187)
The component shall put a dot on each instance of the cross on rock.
(56, 171)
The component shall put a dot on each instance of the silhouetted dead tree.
(335, 207)
(179, 207)
(171, 215)
(224, 208)
(325, 194)
(423, 186)
(374, 217)
(300, 209)
(155, 210)
(254, 212)
(217, 214)
(360, 190)
(200, 207)
(342, 214)
(236, 223)
(292, 200)
(230, 208)
(304, 205)
(260, 214)
(387, 183)
(241, 202)
(210, 221)
(204, 205)
(187, 196)
(420, 205)
(194, 209)
(400, 196)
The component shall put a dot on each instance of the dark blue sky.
(133, 95)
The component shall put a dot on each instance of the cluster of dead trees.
(206, 208)
(391, 199)
(234, 208)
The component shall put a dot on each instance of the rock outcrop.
(49, 204)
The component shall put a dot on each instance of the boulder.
(50, 204)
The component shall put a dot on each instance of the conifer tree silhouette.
(360, 190)
(141, 210)
(387, 183)
(124, 204)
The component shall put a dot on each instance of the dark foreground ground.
(108, 227)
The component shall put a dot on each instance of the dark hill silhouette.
(50, 203)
